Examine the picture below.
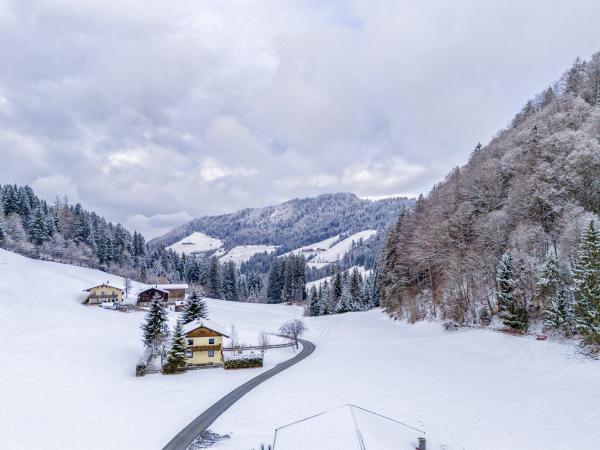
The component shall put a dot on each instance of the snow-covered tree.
(557, 307)
(313, 308)
(214, 282)
(230, 282)
(510, 302)
(195, 308)
(176, 356)
(586, 279)
(155, 329)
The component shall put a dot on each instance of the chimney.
(422, 443)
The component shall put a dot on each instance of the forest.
(511, 236)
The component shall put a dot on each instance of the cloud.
(51, 186)
(206, 107)
(155, 225)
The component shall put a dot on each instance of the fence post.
(422, 443)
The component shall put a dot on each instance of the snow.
(68, 374)
(338, 251)
(68, 370)
(243, 253)
(312, 249)
(316, 283)
(197, 242)
(346, 428)
(211, 325)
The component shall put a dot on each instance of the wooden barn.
(146, 296)
(176, 291)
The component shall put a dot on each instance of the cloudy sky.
(152, 112)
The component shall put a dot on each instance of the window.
(189, 354)
(211, 340)
(211, 353)
(190, 342)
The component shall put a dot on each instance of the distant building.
(104, 293)
(146, 296)
(204, 343)
(348, 428)
(169, 294)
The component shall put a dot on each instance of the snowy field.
(243, 253)
(338, 250)
(196, 242)
(67, 378)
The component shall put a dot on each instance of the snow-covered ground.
(197, 242)
(243, 253)
(67, 377)
(316, 283)
(341, 248)
(312, 249)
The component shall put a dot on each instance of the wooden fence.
(258, 347)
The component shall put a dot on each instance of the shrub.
(243, 361)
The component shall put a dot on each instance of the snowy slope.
(338, 251)
(312, 249)
(67, 377)
(243, 253)
(196, 242)
(67, 380)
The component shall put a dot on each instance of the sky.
(152, 112)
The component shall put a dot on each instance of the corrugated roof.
(347, 428)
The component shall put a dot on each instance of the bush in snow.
(243, 361)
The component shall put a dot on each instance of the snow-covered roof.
(164, 291)
(347, 428)
(206, 324)
(107, 284)
(172, 286)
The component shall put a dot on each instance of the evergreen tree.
(346, 302)
(510, 304)
(37, 227)
(356, 291)
(314, 306)
(586, 278)
(230, 282)
(176, 357)
(276, 281)
(195, 308)
(557, 308)
(214, 283)
(155, 329)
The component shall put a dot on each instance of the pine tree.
(346, 302)
(510, 304)
(214, 283)
(195, 308)
(314, 307)
(557, 308)
(176, 356)
(230, 282)
(37, 227)
(586, 278)
(155, 329)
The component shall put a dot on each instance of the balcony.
(204, 348)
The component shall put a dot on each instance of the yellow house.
(104, 292)
(204, 343)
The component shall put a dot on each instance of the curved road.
(186, 436)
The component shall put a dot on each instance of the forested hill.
(502, 234)
(294, 223)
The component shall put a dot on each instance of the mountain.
(499, 236)
(291, 224)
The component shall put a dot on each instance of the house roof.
(347, 428)
(107, 284)
(189, 327)
(164, 291)
(172, 286)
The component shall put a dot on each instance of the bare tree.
(234, 339)
(127, 285)
(263, 340)
(293, 329)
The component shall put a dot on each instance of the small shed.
(146, 296)
(348, 428)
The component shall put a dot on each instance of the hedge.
(243, 361)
